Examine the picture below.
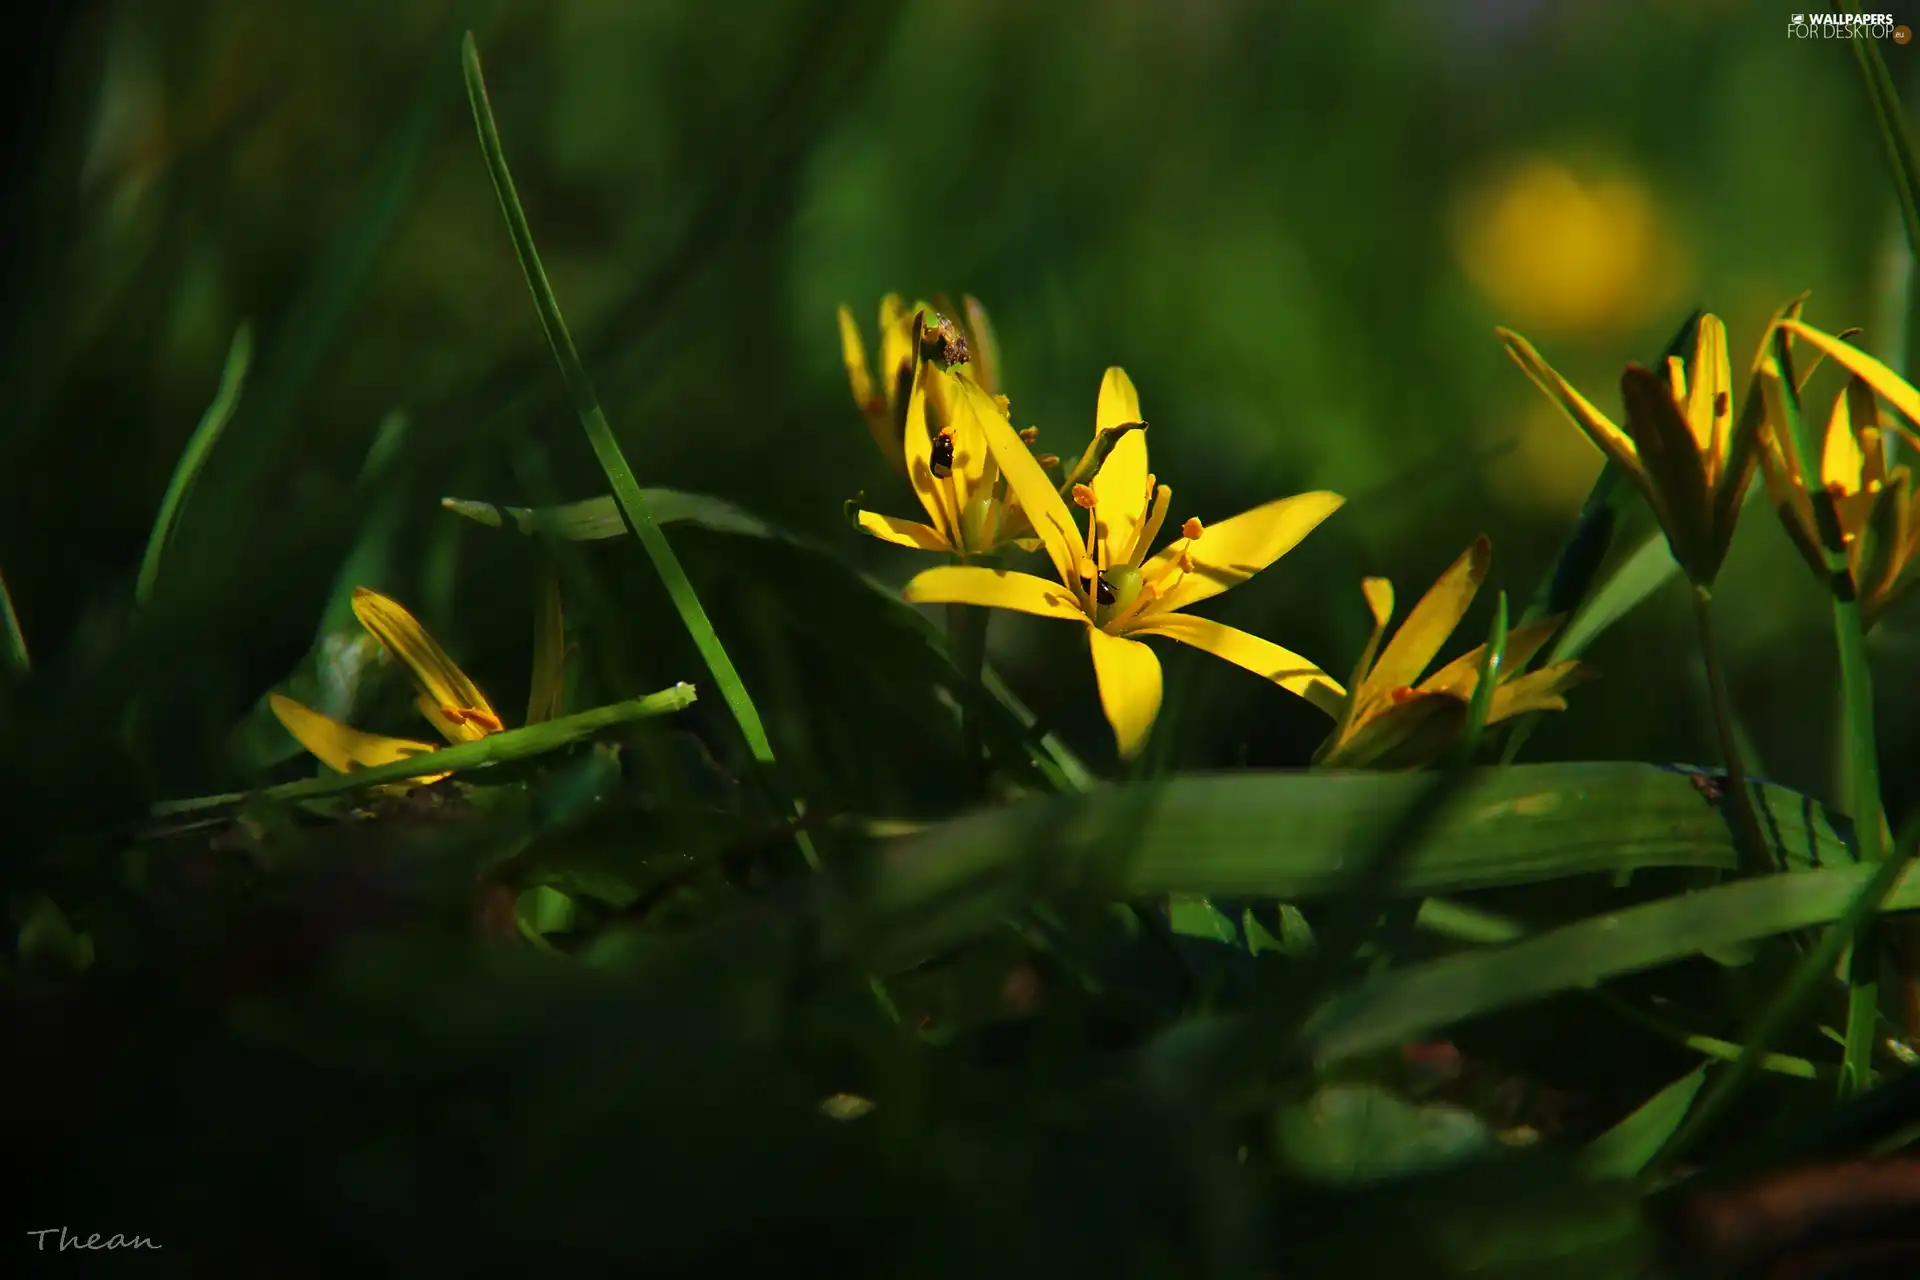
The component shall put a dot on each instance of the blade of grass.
(1869, 890)
(626, 490)
(226, 400)
(495, 748)
(1409, 1003)
(1293, 837)
(593, 519)
(10, 632)
(1903, 166)
(1625, 1149)
(1856, 683)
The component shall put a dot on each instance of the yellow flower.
(1109, 584)
(448, 699)
(1873, 502)
(905, 337)
(969, 510)
(1567, 253)
(1682, 446)
(1390, 722)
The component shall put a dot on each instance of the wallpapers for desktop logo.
(1846, 26)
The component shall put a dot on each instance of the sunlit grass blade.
(1411, 1002)
(1856, 684)
(495, 748)
(626, 490)
(213, 422)
(1293, 837)
(15, 640)
(594, 519)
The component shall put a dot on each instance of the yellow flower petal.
(902, 533)
(1842, 463)
(1429, 625)
(1710, 395)
(983, 346)
(1409, 734)
(1379, 595)
(439, 678)
(1230, 552)
(1041, 502)
(875, 404)
(1119, 403)
(993, 589)
(1541, 690)
(929, 414)
(1120, 494)
(1130, 687)
(341, 747)
(1460, 676)
(1890, 386)
(1675, 472)
(1262, 657)
(899, 342)
(1608, 438)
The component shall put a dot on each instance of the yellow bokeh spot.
(1548, 467)
(1556, 252)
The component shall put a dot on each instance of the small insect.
(1103, 590)
(943, 341)
(941, 463)
(1706, 786)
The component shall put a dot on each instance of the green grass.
(595, 1001)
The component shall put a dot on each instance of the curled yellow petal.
(341, 747)
(993, 589)
(1262, 657)
(902, 533)
(1130, 687)
(1230, 552)
(441, 681)
(1890, 386)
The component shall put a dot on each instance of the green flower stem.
(11, 635)
(1746, 823)
(495, 748)
(600, 435)
(1856, 687)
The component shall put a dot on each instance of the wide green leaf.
(1296, 836)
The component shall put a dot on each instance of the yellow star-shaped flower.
(1109, 583)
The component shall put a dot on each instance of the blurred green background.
(1295, 226)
